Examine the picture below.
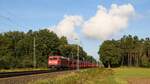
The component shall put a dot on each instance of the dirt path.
(138, 81)
(30, 78)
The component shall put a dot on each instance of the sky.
(91, 21)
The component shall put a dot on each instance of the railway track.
(13, 74)
(27, 78)
(23, 73)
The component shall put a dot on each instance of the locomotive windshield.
(52, 58)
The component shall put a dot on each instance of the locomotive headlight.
(55, 62)
(50, 62)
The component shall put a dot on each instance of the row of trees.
(17, 49)
(127, 51)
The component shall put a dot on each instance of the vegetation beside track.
(121, 75)
(86, 76)
(131, 72)
(16, 49)
(98, 76)
(126, 51)
(22, 69)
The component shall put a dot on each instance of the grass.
(21, 69)
(132, 72)
(121, 74)
(98, 76)
(86, 76)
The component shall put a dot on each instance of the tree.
(110, 54)
(16, 48)
(127, 51)
(46, 43)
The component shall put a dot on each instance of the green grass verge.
(86, 76)
(122, 74)
(98, 76)
(132, 72)
(21, 69)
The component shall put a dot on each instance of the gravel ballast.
(30, 78)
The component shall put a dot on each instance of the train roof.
(58, 57)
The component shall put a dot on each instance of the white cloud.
(104, 24)
(107, 22)
(66, 27)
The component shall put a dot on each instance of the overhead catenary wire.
(8, 18)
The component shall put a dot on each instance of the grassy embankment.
(21, 69)
(98, 76)
(86, 76)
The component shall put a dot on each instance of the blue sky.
(23, 15)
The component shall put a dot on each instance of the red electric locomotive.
(60, 62)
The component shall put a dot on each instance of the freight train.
(60, 62)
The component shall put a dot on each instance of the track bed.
(25, 79)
